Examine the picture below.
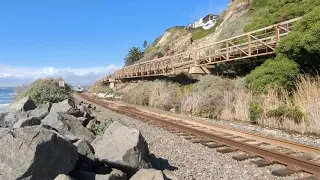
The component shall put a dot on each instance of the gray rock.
(41, 111)
(63, 107)
(30, 121)
(11, 116)
(84, 121)
(63, 177)
(86, 111)
(24, 104)
(113, 175)
(68, 126)
(123, 148)
(34, 153)
(86, 156)
(91, 124)
(149, 174)
(170, 175)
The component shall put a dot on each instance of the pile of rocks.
(54, 141)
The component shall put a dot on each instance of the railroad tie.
(226, 150)
(243, 157)
(284, 172)
(263, 163)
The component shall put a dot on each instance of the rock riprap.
(35, 153)
(149, 174)
(123, 148)
(68, 126)
(52, 141)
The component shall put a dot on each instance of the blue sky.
(84, 40)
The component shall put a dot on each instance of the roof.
(211, 15)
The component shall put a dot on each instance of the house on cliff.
(206, 23)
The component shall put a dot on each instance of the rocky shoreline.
(57, 141)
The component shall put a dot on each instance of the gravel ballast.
(192, 161)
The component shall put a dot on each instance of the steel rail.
(294, 163)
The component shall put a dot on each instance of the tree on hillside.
(134, 54)
(145, 44)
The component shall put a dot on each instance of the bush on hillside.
(303, 43)
(46, 90)
(102, 89)
(276, 11)
(164, 95)
(138, 95)
(286, 112)
(255, 112)
(207, 96)
(160, 94)
(279, 73)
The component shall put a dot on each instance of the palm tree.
(145, 44)
(133, 56)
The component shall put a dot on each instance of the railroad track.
(296, 157)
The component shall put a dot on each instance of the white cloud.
(14, 76)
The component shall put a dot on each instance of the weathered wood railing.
(260, 42)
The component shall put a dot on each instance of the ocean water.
(6, 96)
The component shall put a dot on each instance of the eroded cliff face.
(178, 40)
(232, 23)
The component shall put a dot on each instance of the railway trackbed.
(296, 157)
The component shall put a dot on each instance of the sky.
(82, 40)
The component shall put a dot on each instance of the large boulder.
(86, 156)
(68, 126)
(30, 121)
(34, 153)
(10, 116)
(41, 111)
(149, 174)
(63, 177)
(170, 175)
(24, 104)
(123, 148)
(113, 175)
(65, 106)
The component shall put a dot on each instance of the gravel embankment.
(192, 161)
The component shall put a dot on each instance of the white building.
(207, 22)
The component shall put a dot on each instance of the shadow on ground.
(161, 164)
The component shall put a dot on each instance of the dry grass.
(164, 95)
(241, 105)
(216, 97)
(307, 98)
(159, 94)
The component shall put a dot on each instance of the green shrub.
(276, 11)
(288, 112)
(99, 129)
(46, 90)
(279, 73)
(255, 112)
(303, 43)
